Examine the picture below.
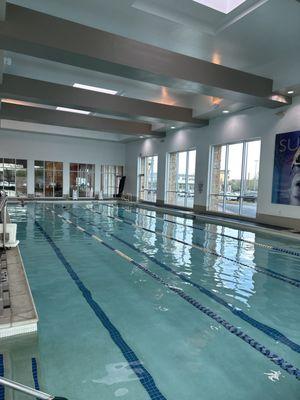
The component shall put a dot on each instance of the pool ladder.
(28, 390)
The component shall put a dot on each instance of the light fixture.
(73, 110)
(225, 111)
(291, 92)
(224, 6)
(94, 88)
(172, 127)
(141, 137)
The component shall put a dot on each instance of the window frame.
(82, 174)
(167, 180)
(53, 173)
(115, 174)
(244, 165)
(139, 175)
(15, 171)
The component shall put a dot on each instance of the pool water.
(135, 304)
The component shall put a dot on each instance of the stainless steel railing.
(28, 390)
(3, 211)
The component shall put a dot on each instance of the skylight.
(95, 88)
(224, 6)
(72, 110)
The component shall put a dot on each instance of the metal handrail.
(28, 390)
(3, 198)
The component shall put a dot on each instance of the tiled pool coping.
(22, 316)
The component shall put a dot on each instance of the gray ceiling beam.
(42, 92)
(68, 119)
(2, 9)
(48, 37)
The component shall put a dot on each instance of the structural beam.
(42, 92)
(72, 120)
(48, 37)
(2, 9)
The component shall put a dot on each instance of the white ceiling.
(260, 36)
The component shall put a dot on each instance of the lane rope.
(273, 357)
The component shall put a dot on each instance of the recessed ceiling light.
(141, 137)
(291, 92)
(73, 110)
(172, 127)
(95, 88)
(225, 111)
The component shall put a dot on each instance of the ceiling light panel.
(72, 110)
(94, 88)
(224, 6)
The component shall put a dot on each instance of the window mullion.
(225, 176)
(243, 172)
(186, 177)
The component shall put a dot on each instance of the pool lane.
(269, 272)
(194, 227)
(271, 332)
(135, 364)
(263, 350)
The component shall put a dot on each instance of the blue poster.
(286, 175)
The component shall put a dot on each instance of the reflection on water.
(119, 372)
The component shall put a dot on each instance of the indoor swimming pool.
(136, 304)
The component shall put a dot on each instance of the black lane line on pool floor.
(34, 370)
(263, 270)
(273, 357)
(133, 361)
(2, 390)
(266, 246)
(271, 332)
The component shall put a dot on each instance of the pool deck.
(20, 316)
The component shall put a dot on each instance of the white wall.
(254, 123)
(36, 146)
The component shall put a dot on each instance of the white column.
(161, 171)
(201, 176)
(66, 179)
(97, 179)
(30, 178)
(2, 9)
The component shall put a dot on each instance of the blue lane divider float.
(273, 357)
(271, 332)
(2, 390)
(266, 246)
(135, 364)
(34, 370)
(263, 270)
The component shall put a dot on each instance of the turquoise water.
(183, 349)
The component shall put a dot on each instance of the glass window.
(181, 178)
(21, 178)
(234, 178)
(147, 178)
(110, 179)
(82, 179)
(13, 177)
(48, 177)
